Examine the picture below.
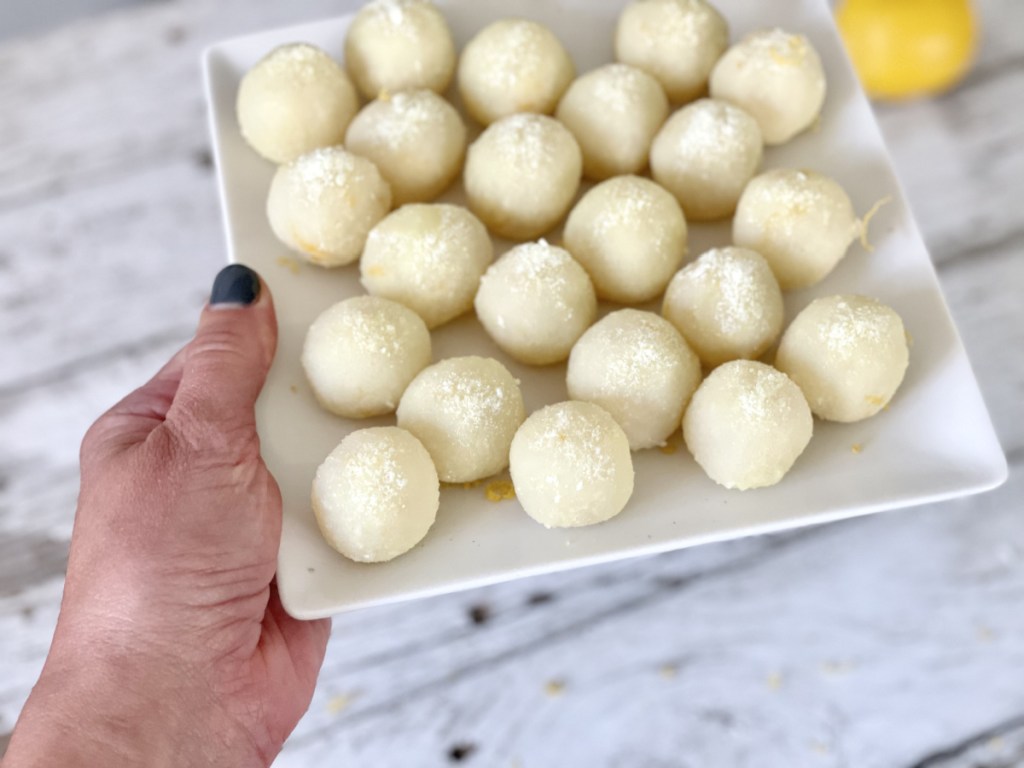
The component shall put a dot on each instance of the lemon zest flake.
(500, 490)
(292, 265)
(554, 688)
(865, 221)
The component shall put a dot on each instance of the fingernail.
(237, 285)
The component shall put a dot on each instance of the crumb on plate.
(292, 265)
(500, 490)
(338, 704)
(554, 688)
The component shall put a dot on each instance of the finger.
(152, 400)
(226, 363)
(303, 643)
(131, 420)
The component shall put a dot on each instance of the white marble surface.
(28, 17)
(890, 641)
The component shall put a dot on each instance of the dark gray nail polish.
(235, 284)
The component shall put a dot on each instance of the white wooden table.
(895, 640)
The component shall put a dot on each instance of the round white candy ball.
(726, 304)
(535, 302)
(522, 174)
(637, 367)
(571, 466)
(848, 354)
(465, 410)
(396, 45)
(511, 66)
(705, 155)
(630, 236)
(295, 100)
(775, 76)
(376, 495)
(429, 257)
(415, 138)
(802, 222)
(361, 354)
(747, 424)
(323, 205)
(677, 41)
(614, 113)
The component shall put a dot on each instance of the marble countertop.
(892, 641)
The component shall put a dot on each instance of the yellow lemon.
(906, 48)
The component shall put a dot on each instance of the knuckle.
(95, 439)
(200, 439)
(220, 345)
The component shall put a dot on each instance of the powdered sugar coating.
(324, 203)
(637, 367)
(376, 495)
(429, 257)
(777, 77)
(727, 305)
(802, 222)
(614, 113)
(513, 65)
(397, 45)
(522, 174)
(705, 155)
(360, 354)
(415, 138)
(747, 424)
(571, 466)
(465, 410)
(535, 302)
(296, 99)
(848, 354)
(677, 41)
(630, 236)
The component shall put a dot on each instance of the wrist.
(112, 710)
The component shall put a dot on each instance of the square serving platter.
(935, 442)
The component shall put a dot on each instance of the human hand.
(172, 647)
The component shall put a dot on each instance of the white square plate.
(935, 442)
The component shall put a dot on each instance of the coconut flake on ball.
(637, 367)
(571, 465)
(535, 302)
(747, 424)
(415, 138)
(360, 354)
(522, 174)
(511, 66)
(705, 155)
(376, 495)
(848, 354)
(630, 236)
(614, 113)
(323, 204)
(727, 305)
(801, 221)
(397, 45)
(777, 77)
(429, 257)
(465, 410)
(294, 100)
(677, 41)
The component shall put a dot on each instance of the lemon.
(907, 48)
